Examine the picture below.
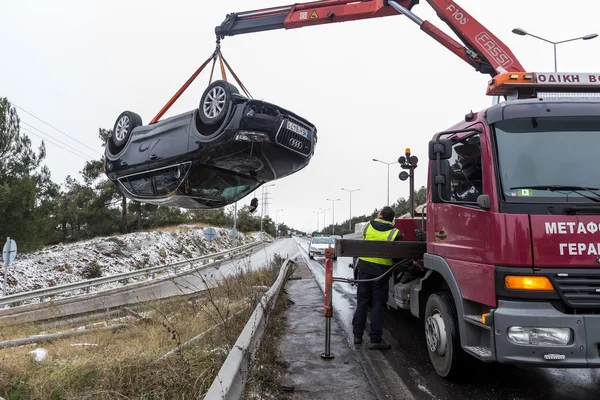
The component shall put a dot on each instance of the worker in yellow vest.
(381, 228)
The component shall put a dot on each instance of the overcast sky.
(371, 87)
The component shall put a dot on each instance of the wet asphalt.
(410, 360)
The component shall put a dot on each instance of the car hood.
(285, 111)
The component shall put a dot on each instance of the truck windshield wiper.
(569, 188)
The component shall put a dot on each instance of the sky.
(372, 87)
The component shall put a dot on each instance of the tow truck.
(506, 265)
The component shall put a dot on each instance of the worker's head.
(387, 213)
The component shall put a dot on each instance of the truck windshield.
(551, 157)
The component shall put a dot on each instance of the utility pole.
(317, 212)
(333, 214)
(350, 220)
(264, 204)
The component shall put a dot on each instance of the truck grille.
(294, 141)
(579, 289)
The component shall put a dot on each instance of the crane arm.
(482, 50)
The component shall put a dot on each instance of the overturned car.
(211, 156)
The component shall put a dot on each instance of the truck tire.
(442, 336)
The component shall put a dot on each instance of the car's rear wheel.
(215, 102)
(124, 125)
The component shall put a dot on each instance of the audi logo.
(296, 143)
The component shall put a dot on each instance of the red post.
(328, 306)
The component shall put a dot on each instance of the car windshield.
(550, 157)
(218, 184)
(322, 240)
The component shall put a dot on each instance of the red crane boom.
(481, 49)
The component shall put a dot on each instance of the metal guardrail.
(230, 381)
(125, 276)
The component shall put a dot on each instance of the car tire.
(124, 125)
(215, 102)
(445, 352)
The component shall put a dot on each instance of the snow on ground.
(61, 264)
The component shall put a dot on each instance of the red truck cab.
(511, 273)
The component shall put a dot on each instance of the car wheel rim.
(435, 331)
(122, 128)
(214, 102)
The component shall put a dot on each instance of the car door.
(462, 234)
(170, 139)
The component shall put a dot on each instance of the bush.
(91, 271)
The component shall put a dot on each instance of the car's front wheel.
(215, 102)
(124, 125)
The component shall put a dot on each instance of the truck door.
(462, 233)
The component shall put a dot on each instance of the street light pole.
(388, 177)
(350, 220)
(333, 214)
(323, 209)
(277, 222)
(523, 32)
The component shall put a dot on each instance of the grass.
(123, 364)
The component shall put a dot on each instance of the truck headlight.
(540, 336)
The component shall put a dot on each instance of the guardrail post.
(329, 253)
(42, 299)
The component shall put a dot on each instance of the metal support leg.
(329, 253)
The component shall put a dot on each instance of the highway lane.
(410, 360)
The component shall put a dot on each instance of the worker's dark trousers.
(376, 293)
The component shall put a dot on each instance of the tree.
(25, 186)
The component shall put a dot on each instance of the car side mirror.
(443, 147)
(253, 205)
(484, 202)
(440, 182)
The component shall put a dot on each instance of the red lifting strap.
(182, 89)
(214, 56)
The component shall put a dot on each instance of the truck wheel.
(441, 333)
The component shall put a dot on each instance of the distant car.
(317, 246)
(211, 156)
(335, 237)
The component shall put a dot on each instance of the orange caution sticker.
(314, 15)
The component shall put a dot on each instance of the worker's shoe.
(357, 340)
(383, 345)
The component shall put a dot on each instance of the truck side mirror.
(440, 182)
(443, 147)
(483, 201)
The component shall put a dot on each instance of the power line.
(58, 130)
(53, 138)
(49, 141)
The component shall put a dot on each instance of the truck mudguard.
(439, 265)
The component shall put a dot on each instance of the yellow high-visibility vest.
(370, 233)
